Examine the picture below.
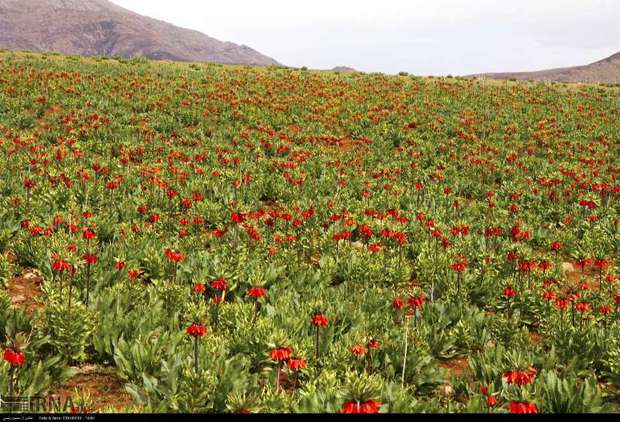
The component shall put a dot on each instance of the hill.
(101, 28)
(603, 71)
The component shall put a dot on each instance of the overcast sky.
(424, 37)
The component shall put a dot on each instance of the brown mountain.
(101, 28)
(603, 71)
(344, 69)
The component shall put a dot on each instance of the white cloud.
(418, 36)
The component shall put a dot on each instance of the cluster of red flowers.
(320, 320)
(417, 301)
(295, 364)
(588, 204)
(556, 246)
(491, 400)
(196, 330)
(90, 259)
(174, 256)
(280, 354)
(462, 230)
(492, 231)
(520, 377)
(343, 235)
(517, 235)
(400, 237)
(414, 302)
(365, 230)
(63, 266)
(459, 267)
(257, 292)
(14, 358)
(509, 292)
(354, 407)
(219, 284)
(522, 407)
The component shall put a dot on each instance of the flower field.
(233, 239)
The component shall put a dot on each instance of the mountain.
(344, 69)
(101, 28)
(603, 71)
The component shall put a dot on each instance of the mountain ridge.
(606, 70)
(102, 28)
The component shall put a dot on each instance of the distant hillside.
(603, 71)
(344, 69)
(101, 28)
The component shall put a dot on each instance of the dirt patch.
(574, 276)
(104, 388)
(24, 291)
(456, 366)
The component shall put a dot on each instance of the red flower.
(562, 304)
(544, 265)
(257, 292)
(601, 263)
(280, 353)
(134, 274)
(484, 390)
(375, 247)
(556, 246)
(320, 320)
(365, 230)
(520, 377)
(219, 284)
(582, 306)
(60, 265)
(519, 407)
(173, 256)
(196, 330)
(28, 184)
(89, 234)
(416, 302)
(119, 265)
(219, 232)
(296, 364)
(605, 309)
(354, 407)
(526, 266)
(588, 204)
(509, 292)
(199, 288)
(398, 304)
(358, 350)
(459, 267)
(237, 217)
(491, 401)
(90, 259)
(342, 235)
(14, 358)
(373, 344)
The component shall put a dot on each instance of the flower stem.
(196, 354)
(402, 376)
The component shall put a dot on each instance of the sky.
(422, 37)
